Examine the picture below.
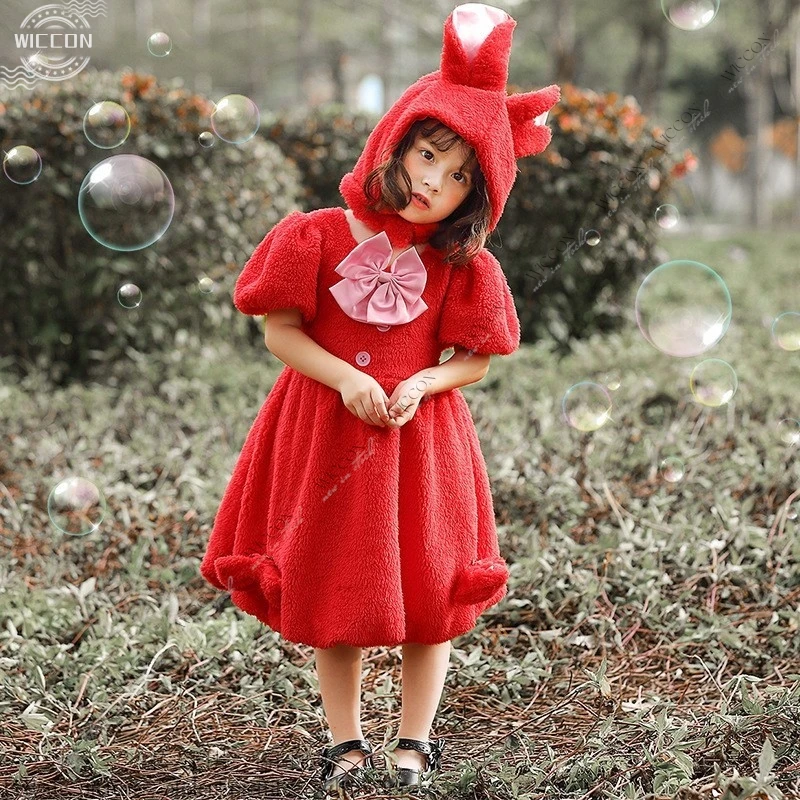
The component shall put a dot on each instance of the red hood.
(468, 94)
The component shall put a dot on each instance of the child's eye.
(463, 177)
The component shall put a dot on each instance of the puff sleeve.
(478, 312)
(283, 270)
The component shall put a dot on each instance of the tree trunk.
(336, 57)
(143, 10)
(386, 60)
(305, 15)
(563, 50)
(757, 87)
(201, 29)
(645, 79)
(796, 95)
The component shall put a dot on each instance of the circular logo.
(55, 41)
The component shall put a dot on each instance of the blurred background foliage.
(62, 314)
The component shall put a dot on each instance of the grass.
(648, 646)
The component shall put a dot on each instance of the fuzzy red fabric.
(332, 531)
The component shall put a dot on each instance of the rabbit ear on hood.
(468, 94)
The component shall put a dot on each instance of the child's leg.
(339, 675)
(424, 671)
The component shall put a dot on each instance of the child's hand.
(364, 397)
(405, 400)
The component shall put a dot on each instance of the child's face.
(435, 175)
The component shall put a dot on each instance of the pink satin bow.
(369, 292)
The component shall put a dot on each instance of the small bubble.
(672, 469)
(106, 124)
(690, 15)
(159, 44)
(235, 119)
(667, 216)
(788, 431)
(76, 506)
(786, 330)
(586, 406)
(129, 295)
(713, 382)
(22, 164)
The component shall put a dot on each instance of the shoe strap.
(432, 749)
(336, 751)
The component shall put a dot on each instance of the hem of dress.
(436, 640)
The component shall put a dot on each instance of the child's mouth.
(418, 202)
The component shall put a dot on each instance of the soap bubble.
(672, 469)
(667, 216)
(612, 381)
(76, 506)
(690, 15)
(159, 44)
(129, 295)
(786, 330)
(235, 119)
(22, 164)
(683, 308)
(106, 124)
(126, 202)
(586, 406)
(206, 284)
(592, 238)
(713, 382)
(788, 431)
(206, 139)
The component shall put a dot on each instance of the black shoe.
(330, 755)
(432, 750)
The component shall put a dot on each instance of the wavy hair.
(462, 234)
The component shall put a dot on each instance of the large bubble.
(235, 119)
(690, 15)
(22, 164)
(683, 308)
(126, 202)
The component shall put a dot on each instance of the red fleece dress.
(332, 531)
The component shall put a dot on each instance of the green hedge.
(59, 287)
(604, 170)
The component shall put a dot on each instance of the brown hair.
(463, 234)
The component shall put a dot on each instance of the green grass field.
(648, 646)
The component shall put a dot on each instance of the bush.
(604, 170)
(59, 292)
(324, 144)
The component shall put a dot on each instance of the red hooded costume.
(332, 531)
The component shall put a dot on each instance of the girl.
(359, 512)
